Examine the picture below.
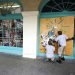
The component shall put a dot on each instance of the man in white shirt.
(61, 39)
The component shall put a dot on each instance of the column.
(30, 22)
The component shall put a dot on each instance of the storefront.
(11, 27)
(11, 34)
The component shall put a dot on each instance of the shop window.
(11, 33)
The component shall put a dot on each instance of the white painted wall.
(30, 20)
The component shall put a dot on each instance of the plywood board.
(65, 24)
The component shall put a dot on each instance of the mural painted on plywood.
(50, 26)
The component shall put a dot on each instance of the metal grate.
(59, 6)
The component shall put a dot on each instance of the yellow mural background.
(65, 24)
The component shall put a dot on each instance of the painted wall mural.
(50, 26)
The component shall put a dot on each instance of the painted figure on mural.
(52, 33)
(45, 39)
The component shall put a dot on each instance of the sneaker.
(63, 58)
(48, 60)
(53, 62)
(59, 61)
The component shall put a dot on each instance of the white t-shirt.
(61, 39)
(50, 51)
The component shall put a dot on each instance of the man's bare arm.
(70, 39)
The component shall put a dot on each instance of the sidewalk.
(16, 65)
